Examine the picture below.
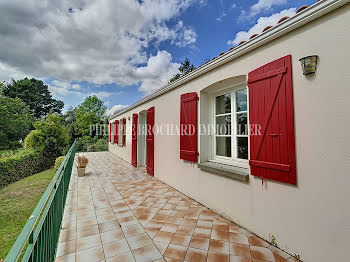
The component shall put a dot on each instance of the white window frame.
(233, 160)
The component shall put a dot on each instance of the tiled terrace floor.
(117, 213)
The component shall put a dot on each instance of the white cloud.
(263, 6)
(157, 72)
(260, 25)
(84, 40)
(114, 109)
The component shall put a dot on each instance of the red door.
(272, 152)
(134, 140)
(150, 141)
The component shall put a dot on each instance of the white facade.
(311, 219)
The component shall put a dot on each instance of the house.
(287, 175)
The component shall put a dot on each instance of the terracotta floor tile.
(240, 259)
(176, 213)
(88, 242)
(151, 232)
(85, 215)
(163, 236)
(65, 248)
(219, 235)
(261, 253)
(219, 246)
(196, 255)
(105, 218)
(111, 236)
(183, 230)
(66, 258)
(202, 232)
(162, 246)
(155, 225)
(258, 242)
(204, 224)
(108, 226)
(169, 228)
(181, 240)
(86, 222)
(104, 211)
(174, 220)
(221, 227)
(115, 248)
(133, 230)
(175, 251)
(240, 250)
(126, 257)
(67, 235)
(128, 221)
(217, 257)
(159, 218)
(91, 254)
(238, 238)
(199, 243)
(146, 254)
(189, 222)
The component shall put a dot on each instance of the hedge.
(24, 163)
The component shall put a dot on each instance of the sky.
(122, 50)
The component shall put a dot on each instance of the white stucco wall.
(313, 218)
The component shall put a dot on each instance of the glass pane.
(241, 100)
(223, 125)
(242, 127)
(223, 146)
(223, 104)
(242, 147)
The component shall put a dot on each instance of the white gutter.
(311, 13)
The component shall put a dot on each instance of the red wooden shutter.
(116, 124)
(134, 140)
(272, 154)
(110, 132)
(124, 131)
(188, 127)
(150, 141)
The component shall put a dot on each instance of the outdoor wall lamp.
(309, 64)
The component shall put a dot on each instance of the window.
(231, 126)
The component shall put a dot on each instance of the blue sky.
(122, 50)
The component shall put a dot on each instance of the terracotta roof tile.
(267, 28)
(283, 19)
(252, 36)
(242, 42)
(302, 8)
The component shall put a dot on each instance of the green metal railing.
(39, 237)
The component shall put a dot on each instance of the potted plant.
(82, 162)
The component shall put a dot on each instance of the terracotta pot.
(81, 171)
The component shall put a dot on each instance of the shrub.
(49, 137)
(58, 162)
(24, 163)
(101, 145)
(91, 148)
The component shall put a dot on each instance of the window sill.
(235, 172)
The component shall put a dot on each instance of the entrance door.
(150, 141)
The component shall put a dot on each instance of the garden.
(35, 134)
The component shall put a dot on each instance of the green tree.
(90, 112)
(49, 136)
(185, 68)
(35, 94)
(16, 121)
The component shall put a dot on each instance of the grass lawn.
(17, 202)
